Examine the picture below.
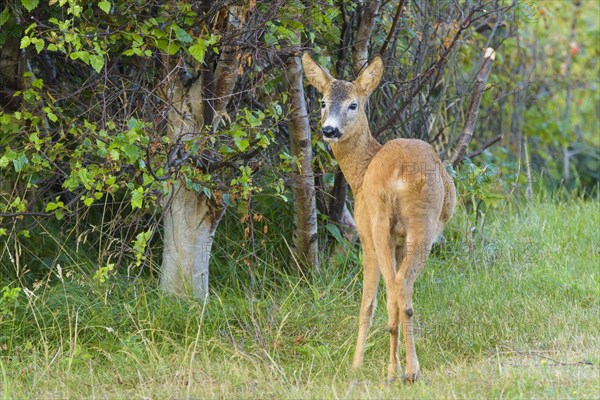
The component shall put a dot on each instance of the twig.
(486, 145)
(478, 88)
(392, 28)
(25, 214)
(434, 67)
(557, 362)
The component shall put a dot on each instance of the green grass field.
(512, 312)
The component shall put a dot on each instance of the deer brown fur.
(403, 198)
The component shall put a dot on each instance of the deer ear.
(369, 78)
(316, 75)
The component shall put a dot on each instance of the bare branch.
(25, 214)
(478, 88)
(485, 146)
(432, 69)
(397, 16)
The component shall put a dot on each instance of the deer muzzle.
(330, 132)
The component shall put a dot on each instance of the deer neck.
(354, 156)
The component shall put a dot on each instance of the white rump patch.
(399, 184)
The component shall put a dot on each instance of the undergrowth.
(506, 309)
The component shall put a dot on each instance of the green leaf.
(134, 123)
(132, 152)
(241, 143)
(168, 47)
(25, 41)
(182, 35)
(71, 183)
(51, 116)
(137, 198)
(97, 62)
(30, 4)
(85, 177)
(254, 120)
(198, 50)
(104, 6)
(88, 201)
(51, 206)
(335, 232)
(39, 44)
(81, 55)
(30, 27)
(20, 162)
(115, 155)
(38, 83)
(4, 15)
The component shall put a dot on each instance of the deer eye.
(322, 104)
(353, 106)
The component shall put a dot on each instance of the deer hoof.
(410, 378)
(390, 381)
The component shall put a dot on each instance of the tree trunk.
(338, 210)
(190, 221)
(190, 218)
(367, 22)
(305, 213)
(10, 76)
(226, 72)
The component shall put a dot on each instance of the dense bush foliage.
(85, 150)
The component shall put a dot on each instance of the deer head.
(343, 104)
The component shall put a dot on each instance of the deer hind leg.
(416, 251)
(369, 301)
(385, 251)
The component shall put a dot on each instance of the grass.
(512, 312)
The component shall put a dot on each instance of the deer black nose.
(331, 132)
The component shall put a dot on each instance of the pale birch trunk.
(190, 218)
(305, 209)
(190, 221)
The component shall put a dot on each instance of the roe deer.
(403, 198)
